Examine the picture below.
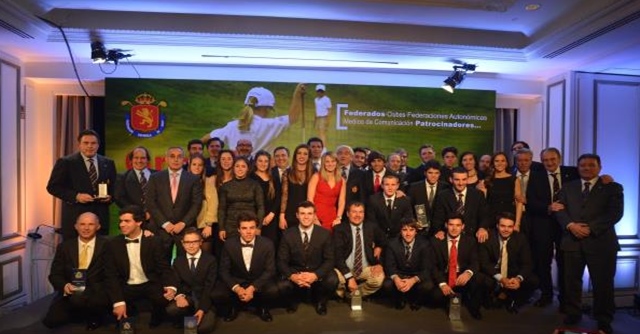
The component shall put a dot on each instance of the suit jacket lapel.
(75, 257)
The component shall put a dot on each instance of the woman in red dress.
(327, 190)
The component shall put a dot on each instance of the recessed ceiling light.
(532, 6)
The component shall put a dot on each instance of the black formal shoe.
(572, 319)
(292, 308)
(543, 302)
(264, 315)
(475, 314)
(92, 325)
(400, 304)
(321, 308)
(231, 315)
(414, 306)
(512, 307)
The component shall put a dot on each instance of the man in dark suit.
(358, 245)
(427, 153)
(195, 276)
(520, 145)
(281, 159)
(522, 171)
(214, 146)
(84, 256)
(137, 268)
(449, 161)
(174, 198)
(591, 210)
(425, 192)
(247, 271)
(387, 209)
(306, 261)
(466, 201)
(456, 266)
(544, 231)
(351, 173)
(194, 147)
(372, 180)
(506, 266)
(131, 187)
(76, 180)
(407, 263)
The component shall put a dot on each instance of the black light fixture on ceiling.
(100, 55)
(458, 75)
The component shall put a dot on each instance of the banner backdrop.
(161, 113)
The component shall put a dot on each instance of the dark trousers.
(225, 299)
(208, 322)
(545, 236)
(90, 306)
(321, 290)
(150, 291)
(602, 269)
(527, 287)
(419, 293)
(471, 294)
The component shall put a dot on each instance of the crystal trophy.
(356, 300)
(190, 325)
(421, 216)
(79, 280)
(454, 307)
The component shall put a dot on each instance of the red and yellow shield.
(145, 117)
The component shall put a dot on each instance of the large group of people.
(273, 229)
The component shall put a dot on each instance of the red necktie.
(376, 183)
(453, 263)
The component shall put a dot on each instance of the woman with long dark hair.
(295, 185)
(272, 197)
(207, 221)
(501, 189)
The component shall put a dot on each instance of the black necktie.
(143, 185)
(585, 192)
(134, 241)
(357, 261)
(407, 253)
(192, 266)
(305, 241)
(460, 207)
(344, 172)
(247, 245)
(93, 174)
(432, 194)
(556, 187)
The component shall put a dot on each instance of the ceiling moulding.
(124, 39)
(583, 29)
(485, 5)
(17, 21)
(228, 24)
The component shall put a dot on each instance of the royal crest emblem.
(145, 120)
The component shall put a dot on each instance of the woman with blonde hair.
(253, 123)
(207, 221)
(327, 190)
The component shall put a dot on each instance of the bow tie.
(247, 245)
(135, 241)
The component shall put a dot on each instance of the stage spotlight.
(98, 53)
(453, 80)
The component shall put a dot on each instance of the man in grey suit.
(76, 179)
(174, 198)
(591, 210)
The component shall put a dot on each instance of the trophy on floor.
(127, 325)
(79, 280)
(454, 306)
(356, 300)
(421, 217)
(190, 325)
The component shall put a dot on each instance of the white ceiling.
(500, 36)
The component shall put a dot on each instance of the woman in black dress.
(469, 161)
(294, 186)
(501, 189)
(238, 195)
(272, 197)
